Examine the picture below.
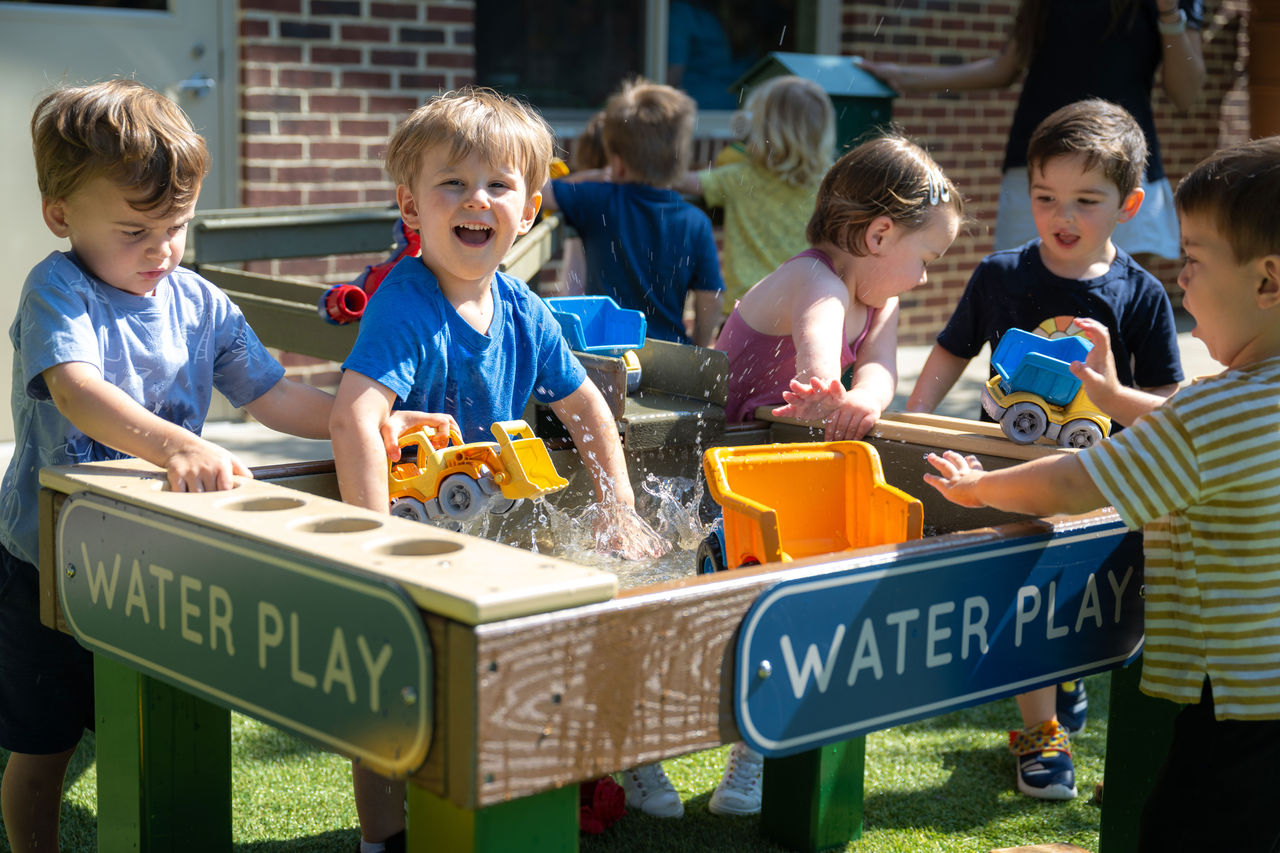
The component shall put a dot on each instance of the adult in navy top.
(646, 247)
(415, 343)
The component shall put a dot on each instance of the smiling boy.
(1197, 473)
(1085, 168)
(448, 333)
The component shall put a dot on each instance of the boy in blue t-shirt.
(645, 245)
(449, 334)
(117, 350)
(1085, 164)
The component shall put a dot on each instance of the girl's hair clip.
(938, 189)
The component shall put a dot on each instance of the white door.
(184, 48)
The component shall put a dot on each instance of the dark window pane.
(711, 43)
(559, 53)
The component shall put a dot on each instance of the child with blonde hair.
(450, 333)
(884, 211)
(769, 196)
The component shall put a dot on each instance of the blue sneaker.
(1073, 706)
(1045, 770)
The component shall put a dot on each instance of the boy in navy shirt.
(645, 245)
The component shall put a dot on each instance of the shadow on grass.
(334, 841)
(255, 741)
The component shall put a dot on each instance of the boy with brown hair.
(117, 350)
(450, 334)
(645, 245)
(1085, 165)
(1196, 473)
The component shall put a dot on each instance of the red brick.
(257, 149)
(430, 82)
(363, 127)
(317, 103)
(302, 174)
(269, 53)
(254, 197)
(254, 28)
(357, 173)
(366, 80)
(257, 77)
(321, 150)
(395, 57)
(451, 14)
(394, 11)
(440, 59)
(396, 104)
(362, 32)
(312, 127)
(330, 195)
(271, 102)
(336, 55)
(305, 78)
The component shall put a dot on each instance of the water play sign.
(331, 655)
(827, 658)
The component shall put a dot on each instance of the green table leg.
(813, 800)
(164, 766)
(1139, 730)
(543, 823)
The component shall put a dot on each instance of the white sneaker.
(649, 790)
(739, 790)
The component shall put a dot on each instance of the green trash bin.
(861, 100)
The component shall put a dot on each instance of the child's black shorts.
(46, 677)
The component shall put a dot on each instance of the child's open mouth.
(473, 235)
(1067, 240)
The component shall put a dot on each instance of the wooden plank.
(268, 233)
(568, 696)
(464, 577)
(531, 252)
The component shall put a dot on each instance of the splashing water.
(669, 504)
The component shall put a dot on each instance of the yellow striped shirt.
(1201, 476)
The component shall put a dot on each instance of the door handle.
(197, 85)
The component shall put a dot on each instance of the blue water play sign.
(830, 657)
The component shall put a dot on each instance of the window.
(566, 56)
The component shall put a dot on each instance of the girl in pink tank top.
(884, 211)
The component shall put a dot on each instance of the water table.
(494, 679)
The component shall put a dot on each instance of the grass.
(944, 784)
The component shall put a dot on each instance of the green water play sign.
(333, 655)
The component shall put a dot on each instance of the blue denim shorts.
(46, 677)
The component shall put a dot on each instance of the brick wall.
(966, 132)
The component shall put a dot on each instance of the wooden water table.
(494, 679)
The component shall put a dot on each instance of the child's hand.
(201, 466)
(959, 477)
(399, 422)
(1098, 371)
(620, 531)
(844, 414)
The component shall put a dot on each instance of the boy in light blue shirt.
(449, 334)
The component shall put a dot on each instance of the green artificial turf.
(944, 784)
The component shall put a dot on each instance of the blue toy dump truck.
(1034, 394)
(597, 325)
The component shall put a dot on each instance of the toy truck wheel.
(498, 505)
(1080, 433)
(461, 497)
(1024, 422)
(410, 508)
(710, 557)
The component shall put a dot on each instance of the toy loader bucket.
(786, 501)
(529, 469)
(598, 325)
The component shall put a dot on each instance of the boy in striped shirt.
(1200, 474)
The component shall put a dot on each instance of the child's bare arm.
(595, 433)
(1053, 485)
(110, 416)
(1098, 374)
(938, 376)
(690, 184)
(359, 451)
(294, 408)
(706, 315)
(549, 196)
